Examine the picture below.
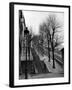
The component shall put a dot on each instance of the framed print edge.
(69, 44)
(11, 44)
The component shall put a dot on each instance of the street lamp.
(26, 33)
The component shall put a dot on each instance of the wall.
(4, 45)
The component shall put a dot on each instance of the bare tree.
(45, 29)
(53, 25)
(58, 40)
(41, 35)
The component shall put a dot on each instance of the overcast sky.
(34, 18)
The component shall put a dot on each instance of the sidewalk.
(39, 76)
(49, 65)
(49, 75)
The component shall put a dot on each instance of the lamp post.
(26, 33)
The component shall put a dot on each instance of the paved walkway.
(39, 65)
(38, 76)
(43, 68)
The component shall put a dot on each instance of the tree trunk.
(53, 55)
(52, 44)
(53, 59)
(48, 52)
(48, 39)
